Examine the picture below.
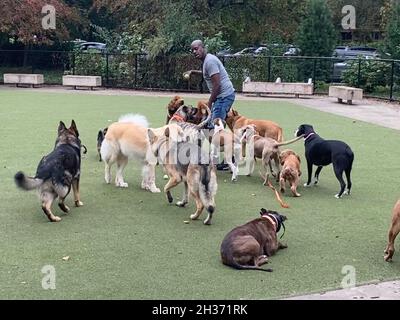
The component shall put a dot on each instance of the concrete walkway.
(369, 110)
(389, 290)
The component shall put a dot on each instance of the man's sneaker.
(223, 167)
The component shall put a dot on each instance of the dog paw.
(78, 203)
(56, 219)
(122, 184)
(181, 204)
(207, 222)
(194, 216)
(337, 196)
(347, 192)
(63, 207)
(307, 185)
(155, 190)
(387, 258)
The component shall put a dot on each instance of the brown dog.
(266, 149)
(290, 171)
(248, 246)
(265, 128)
(202, 112)
(173, 106)
(393, 232)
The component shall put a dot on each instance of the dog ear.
(263, 211)
(298, 158)
(61, 127)
(166, 132)
(282, 158)
(100, 135)
(151, 135)
(74, 128)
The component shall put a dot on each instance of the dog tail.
(284, 143)
(240, 267)
(26, 183)
(207, 187)
(137, 119)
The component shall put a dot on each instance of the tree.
(316, 35)
(22, 20)
(392, 40)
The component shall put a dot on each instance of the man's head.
(198, 49)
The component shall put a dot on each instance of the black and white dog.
(322, 152)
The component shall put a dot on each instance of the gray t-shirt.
(212, 65)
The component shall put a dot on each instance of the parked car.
(246, 51)
(348, 53)
(93, 45)
(292, 51)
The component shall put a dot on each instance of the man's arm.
(216, 88)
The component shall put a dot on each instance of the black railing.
(378, 77)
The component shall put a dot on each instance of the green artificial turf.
(131, 244)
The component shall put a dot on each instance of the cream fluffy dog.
(128, 139)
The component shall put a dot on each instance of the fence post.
(107, 71)
(73, 62)
(136, 67)
(392, 82)
(269, 69)
(314, 73)
(359, 73)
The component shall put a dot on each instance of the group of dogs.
(245, 247)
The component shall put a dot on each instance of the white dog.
(128, 139)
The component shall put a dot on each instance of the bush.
(372, 74)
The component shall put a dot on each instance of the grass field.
(131, 244)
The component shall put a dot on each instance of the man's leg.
(220, 110)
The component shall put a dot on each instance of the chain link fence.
(377, 77)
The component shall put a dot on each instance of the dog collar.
(309, 135)
(178, 118)
(268, 217)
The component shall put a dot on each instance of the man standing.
(218, 82)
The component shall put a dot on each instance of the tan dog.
(228, 143)
(266, 149)
(173, 106)
(247, 247)
(127, 139)
(184, 161)
(290, 172)
(393, 232)
(265, 128)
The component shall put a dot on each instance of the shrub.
(373, 73)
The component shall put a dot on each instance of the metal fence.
(378, 77)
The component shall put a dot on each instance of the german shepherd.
(195, 170)
(57, 172)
